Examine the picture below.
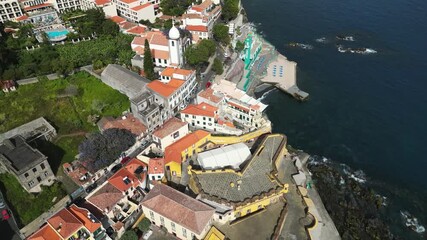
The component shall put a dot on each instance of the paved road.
(8, 229)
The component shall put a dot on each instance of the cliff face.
(353, 207)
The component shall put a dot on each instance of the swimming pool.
(57, 35)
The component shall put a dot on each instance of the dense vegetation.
(110, 47)
(58, 101)
(29, 206)
(175, 7)
(230, 9)
(217, 66)
(101, 149)
(197, 55)
(220, 34)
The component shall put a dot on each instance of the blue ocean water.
(367, 111)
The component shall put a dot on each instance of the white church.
(166, 50)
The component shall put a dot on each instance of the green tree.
(199, 54)
(148, 61)
(97, 64)
(110, 28)
(129, 235)
(124, 56)
(144, 224)
(239, 46)
(218, 67)
(220, 33)
(175, 7)
(230, 9)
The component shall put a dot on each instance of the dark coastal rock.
(353, 207)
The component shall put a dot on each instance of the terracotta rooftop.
(197, 28)
(102, 2)
(106, 197)
(169, 127)
(156, 166)
(127, 25)
(22, 18)
(128, 122)
(128, 1)
(138, 30)
(65, 223)
(89, 221)
(169, 72)
(123, 180)
(43, 5)
(179, 208)
(209, 95)
(135, 164)
(165, 89)
(173, 151)
(137, 8)
(201, 109)
(45, 233)
(153, 37)
(118, 19)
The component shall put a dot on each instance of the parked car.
(116, 168)
(147, 235)
(125, 160)
(91, 187)
(2, 204)
(5, 214)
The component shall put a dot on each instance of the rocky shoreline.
(354, 207)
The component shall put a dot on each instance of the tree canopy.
(148, 61)
(200, 53)
(101, 149)
(175, 7)
(220, 33)
(218, 67)
(129, 235)
(230, 9)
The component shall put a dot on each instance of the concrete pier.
(282, 73)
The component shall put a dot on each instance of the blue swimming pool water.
(55, 34)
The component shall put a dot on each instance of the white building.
(229, 156)
(200, 19)
(208, 117)
(170, 132)
(108, 6)
(9, 10)
(174, 90)
(166, 51)
(241, 107)
(136, 10)
(181, 215)
(156, 170)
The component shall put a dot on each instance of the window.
(42, 166)
(173, 43)
(46, 174)
(186, 115)
(194, 116)
(152, 215)
(26, 175)
(164, 61)
(184, 232)
(176, 134)
(162, 221)
(34, 169)
(204, 118)
(173, 226)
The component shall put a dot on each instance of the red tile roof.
(169, 71)
(37, 6)
(201, 109)
(160, 54)
(153, 37)
(173, 151)
(118, 19)
(45, 233)
(138, 30)
(22, 18)
(197, 28)
(134, 164)
(209, 95)
(169, 127)
(137, 8)
(165, 89)
(106, 197)
(128, 122)
(179, 208)
(82, 214)
(127, 25)
(128, 1)
(102, 2)
(65, 223)
(156, 166)
(119, 178)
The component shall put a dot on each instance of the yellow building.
(184, 149)
(250, 189)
